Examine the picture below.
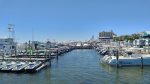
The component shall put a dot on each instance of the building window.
(13, 47)
(3, 47)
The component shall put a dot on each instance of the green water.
(80, 67)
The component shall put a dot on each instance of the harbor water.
(80, 66)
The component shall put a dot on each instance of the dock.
(27, 63)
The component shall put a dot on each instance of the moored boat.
(2, 64)
(134, 60)
(8, 66)
(20, 67)
(32, 66)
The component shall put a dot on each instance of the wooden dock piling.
(142, 62)
(117, 59)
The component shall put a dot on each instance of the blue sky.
(72, 19)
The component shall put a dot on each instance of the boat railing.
(136, 55)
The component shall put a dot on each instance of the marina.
(115, 56)
(80, 67)
(75, 42)
(25, 62)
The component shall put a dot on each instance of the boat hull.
(126, 62)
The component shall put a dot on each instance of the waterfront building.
(144, 39)
(106, 37)
(145, 34)
(38, 45)
(7, 46)
(42, 45)
(51, 45)
(139, 42)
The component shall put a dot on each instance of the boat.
(132, 60)
(32, 66)
(8, 66)
(53, 54)
(20, 67)
(2, 64)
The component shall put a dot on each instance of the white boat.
(9, 66)
(2, 64)
(133, 60)
(53, 54)
(20, 67)
(32, 66)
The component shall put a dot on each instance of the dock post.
(57, 55)
(50, 59)
(108, 48)
(117, 59)
(3, 56)
(142, 62)
(15, 53)
(45, 54)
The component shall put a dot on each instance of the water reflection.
(128, 75)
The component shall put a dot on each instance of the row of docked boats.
(19, 66)
(33, 63)
(139, 60)
(102, 51)
(125, 57)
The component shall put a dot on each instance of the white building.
(7, 46)
(144, 40)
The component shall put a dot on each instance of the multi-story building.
(7, 46)
(144, 39)
(106, 37)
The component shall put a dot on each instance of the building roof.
(145, 33)
(148, 32)
(108, 32)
